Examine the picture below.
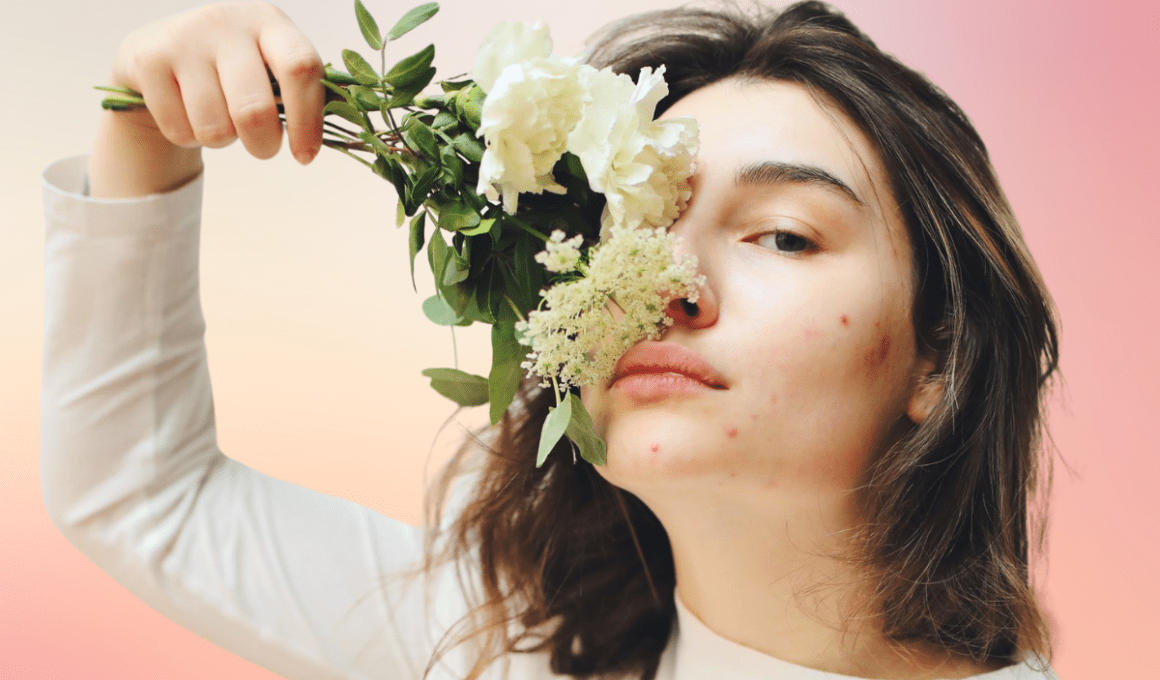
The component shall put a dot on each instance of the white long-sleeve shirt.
(284, 576)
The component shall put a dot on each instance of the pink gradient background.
(316, 340)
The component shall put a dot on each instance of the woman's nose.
(702, 311)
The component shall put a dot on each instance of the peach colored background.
(316, 340)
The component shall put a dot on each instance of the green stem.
(515, 309)
(120, 90)
(525, 226)
(556, 390)
(338, 146)
(454, 348)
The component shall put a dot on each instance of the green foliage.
(426, 146)
(581, 433)
(554, 427)
(413, 18)
(462, 388)
(368, 26)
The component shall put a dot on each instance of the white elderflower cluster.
(560, 256)
(586, 324)
(541, 105)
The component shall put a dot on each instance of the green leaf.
(439, 312)
(337, 77)
(379, 146)
(471, 148)
(411, 69)
(437, 254)
(430, 101)
(389, 169)
(554, 427)
(462, 388)
(452, 168)
(457, 216)
(582, 434)
(455, 85)
(412, 19)
(489, 293)
(400, 214)
(368, 25)
(484, 227)
(346, 111)
(419, 136)
(456, 270)
(420, 188)
(367, 99)
(418, 232)
(470, 103)
(504, 379)
(444, 120)
(362, 71)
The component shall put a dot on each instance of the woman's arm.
(292, 579)
(131, 473)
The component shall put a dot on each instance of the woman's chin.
(658, 446)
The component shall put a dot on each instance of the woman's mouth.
(651, 371)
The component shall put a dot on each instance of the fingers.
(163, 98)
(298, 69)
(249, 98)
(205, 104)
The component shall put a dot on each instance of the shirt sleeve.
(305, 584)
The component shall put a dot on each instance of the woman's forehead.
(745, 124)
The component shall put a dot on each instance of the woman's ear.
(926, 393)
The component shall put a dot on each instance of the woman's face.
(804, 320)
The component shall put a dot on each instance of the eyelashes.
(786, 242)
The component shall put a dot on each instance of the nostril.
(690, 308)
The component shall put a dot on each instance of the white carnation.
(525, 124)
(641, 166)
(509, 42)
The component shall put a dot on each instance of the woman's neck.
(768, 579)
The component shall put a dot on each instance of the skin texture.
(815, 343)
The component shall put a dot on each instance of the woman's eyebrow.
(778, 172)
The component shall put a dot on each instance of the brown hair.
(571, 565)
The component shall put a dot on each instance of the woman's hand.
(203, 75)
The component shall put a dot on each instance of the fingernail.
(302, 157)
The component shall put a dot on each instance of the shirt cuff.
(156, 216)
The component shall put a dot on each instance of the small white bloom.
(525, 123)
(586, 324)
(507, 43)
(560, 256)
(641, 166)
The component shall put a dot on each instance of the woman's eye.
(785, 241)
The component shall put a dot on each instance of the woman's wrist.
(131, 158)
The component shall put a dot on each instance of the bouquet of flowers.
(542, 189)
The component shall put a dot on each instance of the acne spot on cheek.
(655, 448)
(845, 321)
(731, 431)
(877, 354)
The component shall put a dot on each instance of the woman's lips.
(655, 370)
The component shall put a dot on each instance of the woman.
(832, 452)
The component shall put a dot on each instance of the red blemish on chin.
(845, 321)
(654, 448)
(731, 431)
